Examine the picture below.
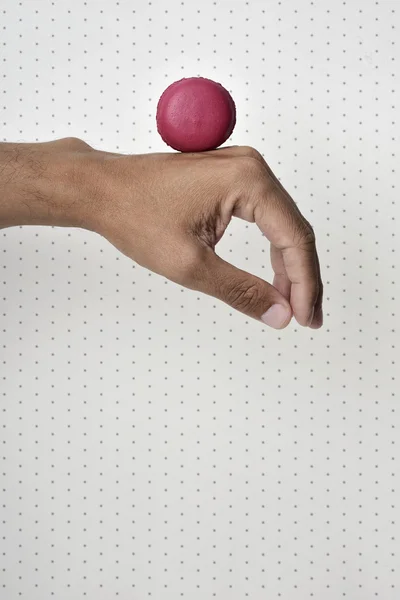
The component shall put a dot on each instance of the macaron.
(195, 114)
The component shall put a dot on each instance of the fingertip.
(318, 320)
(301, 319)
(278, 316)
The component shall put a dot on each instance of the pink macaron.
(195, 114)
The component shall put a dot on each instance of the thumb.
(243, 291)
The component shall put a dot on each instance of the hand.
(169, 211)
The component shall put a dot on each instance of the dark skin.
(168, 212)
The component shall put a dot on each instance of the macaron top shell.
(195, 114)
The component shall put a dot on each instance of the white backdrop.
(154, 443)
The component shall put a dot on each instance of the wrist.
(47, 184)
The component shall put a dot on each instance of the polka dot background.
(154, 443)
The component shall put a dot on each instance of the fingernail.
(310, 320)
(277, 316)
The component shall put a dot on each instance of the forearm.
(39, 186)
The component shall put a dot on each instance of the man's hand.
(168, 212)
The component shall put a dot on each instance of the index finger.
(280, 220)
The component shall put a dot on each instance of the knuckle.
(296, 231)
(306, 237)
(251, 152)
(249, 167)
(75, 143)
(244, 296)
